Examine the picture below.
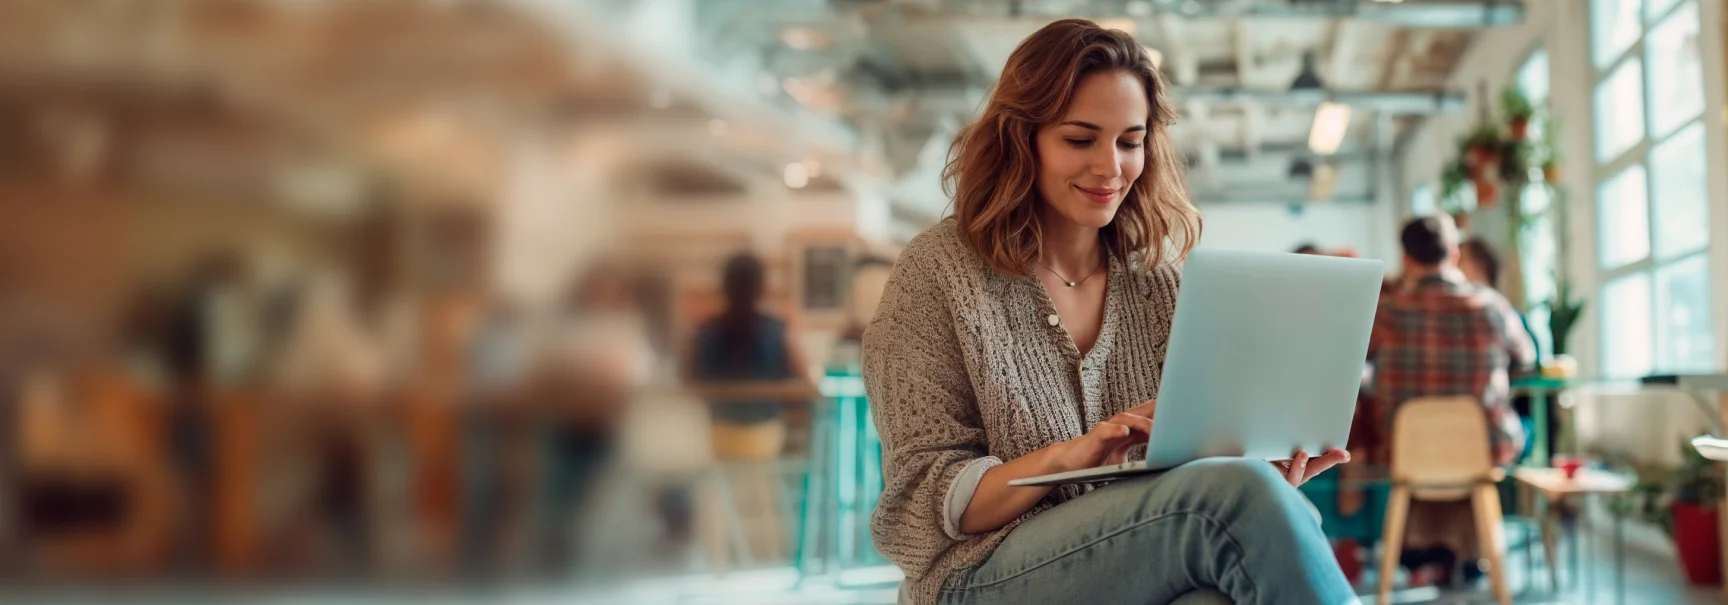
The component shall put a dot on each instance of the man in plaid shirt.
(1437, 334)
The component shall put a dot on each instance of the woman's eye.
(1078, 143)
(1131, 144)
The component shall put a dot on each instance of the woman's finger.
(1144, 409)
(1110, 432)
(1133, 421)
(1326, 462)
(1298, 469)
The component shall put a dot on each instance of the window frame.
(1637, 154)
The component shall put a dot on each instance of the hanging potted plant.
(1550, 151)
(1482, 149)
(1519, 110)
(1453, 178)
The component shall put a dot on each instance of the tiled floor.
(1652, 578)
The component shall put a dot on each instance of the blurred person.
(1436, 335)
(329, 381)
(1306, 248)
(745, 344)
(601, 357)
(1481, 265)
(208, 341)
(1025, 335)
(493, 427)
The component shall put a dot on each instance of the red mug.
(1568, 465)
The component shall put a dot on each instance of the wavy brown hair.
(993, 163)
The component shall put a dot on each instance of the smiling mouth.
(1102, 195)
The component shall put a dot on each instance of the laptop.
(1265, 358)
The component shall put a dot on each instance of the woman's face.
(1089, 159)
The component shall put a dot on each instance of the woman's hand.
(1107, 443)
(1302, 467)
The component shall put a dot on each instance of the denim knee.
(1223, 483)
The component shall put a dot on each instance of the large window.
(1651, 207)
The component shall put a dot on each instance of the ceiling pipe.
(1395, 103)
(1437, 14)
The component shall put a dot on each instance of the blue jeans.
(1224, 524)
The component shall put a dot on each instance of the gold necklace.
(1071, 283)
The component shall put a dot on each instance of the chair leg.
(1392, 539)
(1550, 528)
(1491, 533)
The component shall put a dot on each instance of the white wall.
(1277, 228)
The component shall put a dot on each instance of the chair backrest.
(1441, 441)
(667, 432)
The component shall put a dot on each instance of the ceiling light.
(717, 127)
(813, 168)
(796, 175)
(1330, 122)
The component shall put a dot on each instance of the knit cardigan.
(962, 363)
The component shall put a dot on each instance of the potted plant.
(1453, 198)
(1693, 492)
(1550, 150)
(1564, 308)
(1519, 110)
(1482, 149)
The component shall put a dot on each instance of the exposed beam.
(1346, 36)
(1428, 14)
(1252, 115)
(1396, 65)
(1397, 103)
(1206, 146)
(1184, 65)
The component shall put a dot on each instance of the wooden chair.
(1440, 452)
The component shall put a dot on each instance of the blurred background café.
(393, 300)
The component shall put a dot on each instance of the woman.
(743, 344)
(599, 360)
(1025, 336)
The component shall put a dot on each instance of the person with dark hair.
(1306, 248)
(1481, 265)
(600, 359)
(744, 344)
(1435, 335)
(1479, 262)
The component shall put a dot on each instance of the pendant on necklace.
(1070, 284)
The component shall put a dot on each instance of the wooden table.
(1555, 487)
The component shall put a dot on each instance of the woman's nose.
(1107, 163)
